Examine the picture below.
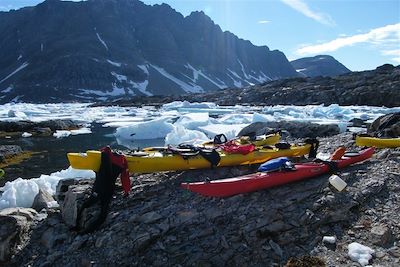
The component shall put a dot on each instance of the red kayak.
(261, 180)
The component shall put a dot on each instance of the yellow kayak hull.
(377, 142)
(266, 140)
(149, 162)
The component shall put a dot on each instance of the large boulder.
(43, 200)
(70, 195)
(15, 224)
(386, 126)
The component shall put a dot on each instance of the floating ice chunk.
(236, 119)
(257, 117)
(193, 120)
(360, 253)
(25, 134)
(81, 131)
(230, 130)
(154, 129)
(17, 114)
(181, 135)
(21, 192)
(187, 104)
(62, 133)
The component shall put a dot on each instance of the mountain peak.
(320, 65)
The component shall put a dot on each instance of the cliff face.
(97, 50)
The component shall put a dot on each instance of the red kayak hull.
(260, 180)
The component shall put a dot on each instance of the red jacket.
(121, 162)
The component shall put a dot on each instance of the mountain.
(102, 49)
(322, 65)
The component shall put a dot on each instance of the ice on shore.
(360, 253)
(21, 192)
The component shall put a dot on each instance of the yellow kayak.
(262, 140)
(154, 161)
(377, 142)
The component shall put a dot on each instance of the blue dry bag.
(277, 164)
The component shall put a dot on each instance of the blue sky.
(361, 34)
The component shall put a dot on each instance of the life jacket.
(234, 148)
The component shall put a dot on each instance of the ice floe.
(21, 192)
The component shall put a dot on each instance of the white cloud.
(264, 21)
(303, 8)
(395, 54)
(385, 39)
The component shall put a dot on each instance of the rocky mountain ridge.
(321, 65)
(98, 50)
(379, 87)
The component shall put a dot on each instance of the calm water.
(51, 153)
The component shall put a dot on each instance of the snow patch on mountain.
(119, 77)
(243, 70)
(101, 40)
(197, 73)
(24, 65)
(185, 86)
(142, 87)
(114, 63)
(144, 69)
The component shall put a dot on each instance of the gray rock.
(149, 217)
(381, 235)
(48, 238)
(42, 200)
(74, 197)
(14, 227)
(276, 248)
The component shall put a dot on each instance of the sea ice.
(21, 192)
(157, 128)
(181, 135)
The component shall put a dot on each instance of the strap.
(220, 139)
(314, 147)
(332, 165)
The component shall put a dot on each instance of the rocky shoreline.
(160, 224)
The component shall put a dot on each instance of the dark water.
(50, 153)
